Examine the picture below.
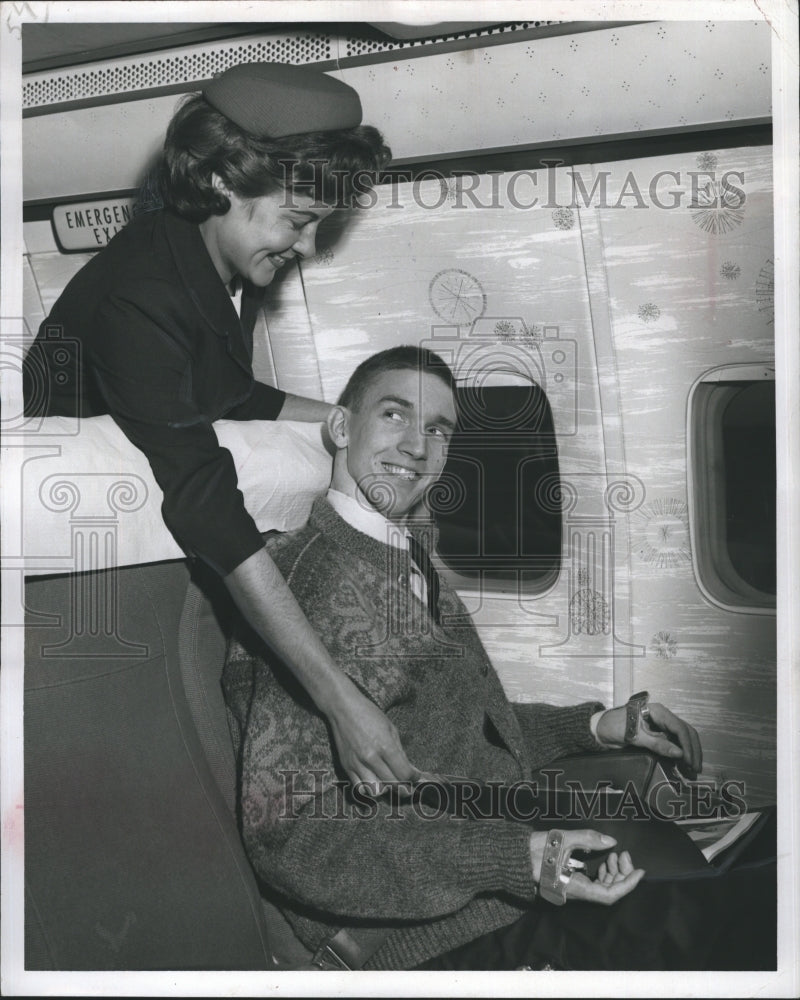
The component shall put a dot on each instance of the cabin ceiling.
(51, 45)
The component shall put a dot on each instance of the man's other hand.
(655, 734)
(616, 876)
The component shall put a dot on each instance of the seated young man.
(448, 891)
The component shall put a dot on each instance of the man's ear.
(338, 420)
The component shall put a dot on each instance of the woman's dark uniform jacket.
(148, 333)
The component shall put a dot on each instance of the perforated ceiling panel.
(201, 62)
(187, 65)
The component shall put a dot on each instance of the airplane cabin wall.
(616, 308)
(688, 291)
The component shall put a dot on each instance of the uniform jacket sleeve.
(146, 380)
(154, 340)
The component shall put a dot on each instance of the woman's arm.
(143, 374)
(367, 742)
(303, 408)
(267, 403)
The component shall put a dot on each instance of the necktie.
(420, 556)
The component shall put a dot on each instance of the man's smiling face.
(397, 440)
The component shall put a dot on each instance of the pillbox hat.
(273, 100)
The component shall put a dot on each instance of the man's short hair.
(405, 358)
(333, 166)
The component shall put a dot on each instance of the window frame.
(715, 574)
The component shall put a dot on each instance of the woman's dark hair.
(405, 358)
(334, 166)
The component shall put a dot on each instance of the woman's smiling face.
(256, 237)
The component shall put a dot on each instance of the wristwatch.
(637, 712)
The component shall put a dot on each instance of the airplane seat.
(132, 856)
(202, 645)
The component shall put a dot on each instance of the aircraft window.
(733, 476)
(497, 528)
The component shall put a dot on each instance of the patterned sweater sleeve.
(391, 863)
(551, 732)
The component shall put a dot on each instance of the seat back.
(132, 856)
(202, 642)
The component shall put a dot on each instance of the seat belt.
(349, 950)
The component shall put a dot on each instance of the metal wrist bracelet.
(637, 713)
(557, 869)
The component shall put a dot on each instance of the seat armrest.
(614, 769)
(640, 775)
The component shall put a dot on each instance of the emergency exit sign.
(90, 225)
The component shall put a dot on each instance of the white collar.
(364, 518)
(235, 288)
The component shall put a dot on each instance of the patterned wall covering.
(689, 291)
(186, 63)
(618, 80)
(617, 308)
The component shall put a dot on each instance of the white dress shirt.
(235, 287)
(360, 515)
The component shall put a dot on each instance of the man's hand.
(611, 729)
(616, 876)
(367, 742)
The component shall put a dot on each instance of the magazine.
(715, 835)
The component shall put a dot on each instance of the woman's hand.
(611, 729)
(367, 742)
(616, 876)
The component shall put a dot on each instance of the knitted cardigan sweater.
(438, 882)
